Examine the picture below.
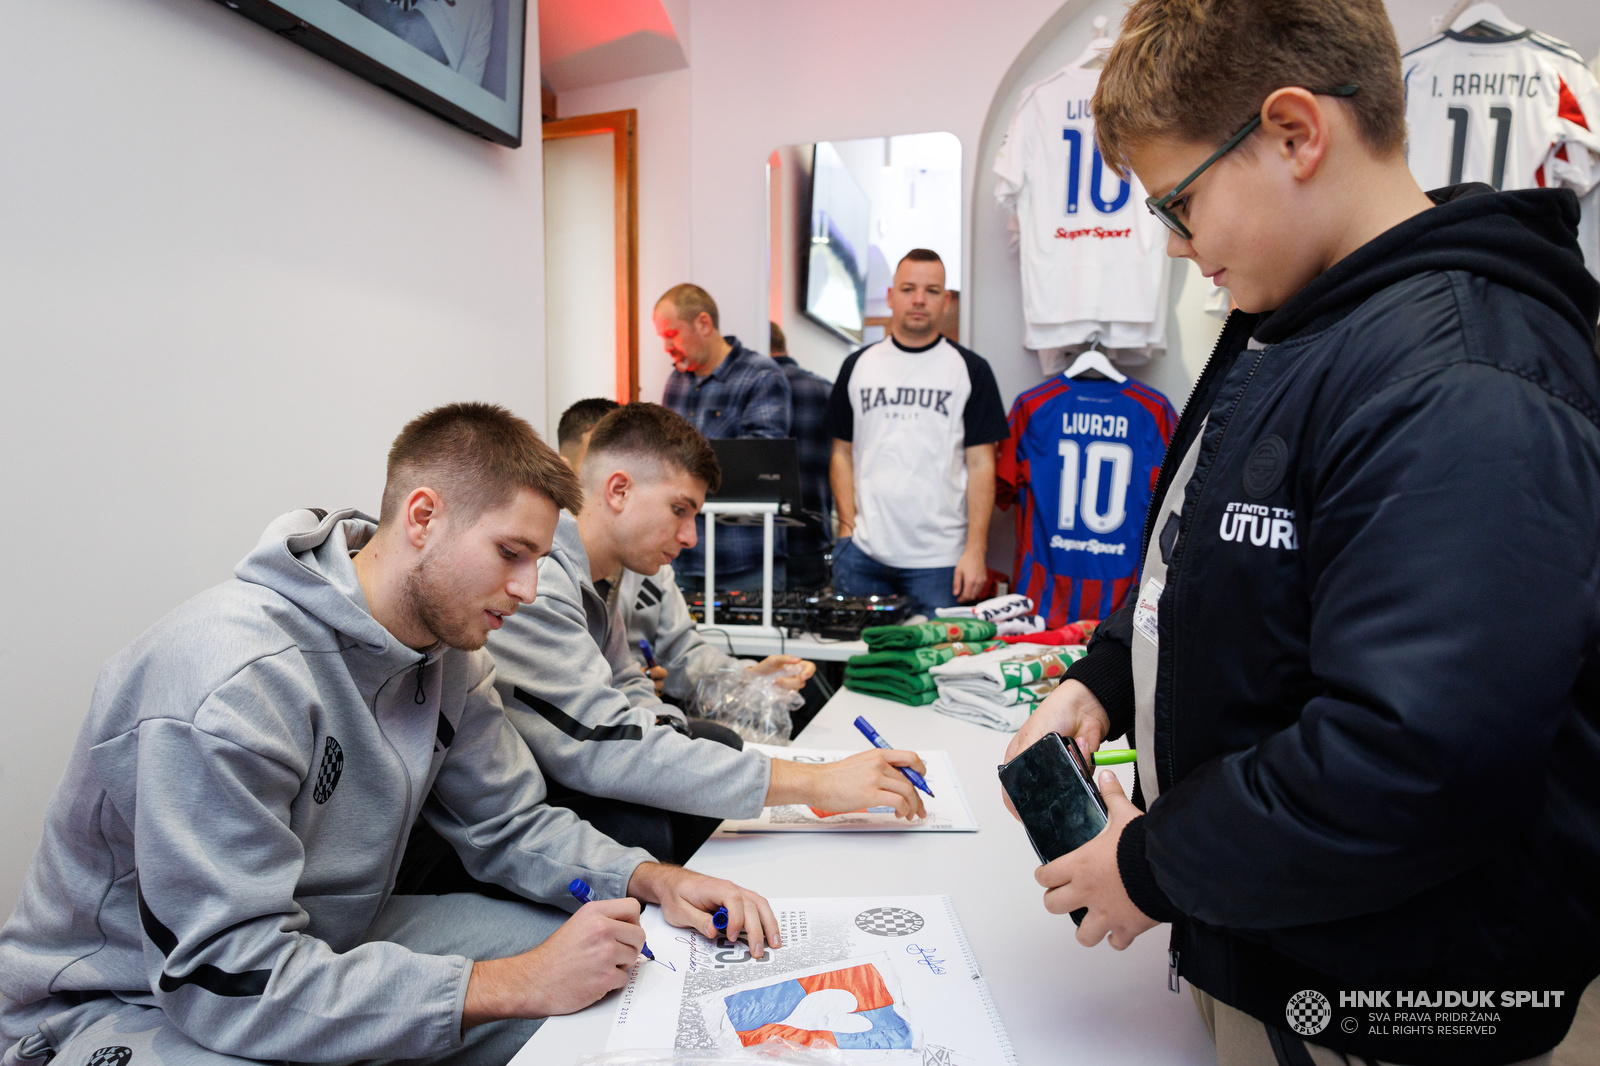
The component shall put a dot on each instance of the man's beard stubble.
(432, 596)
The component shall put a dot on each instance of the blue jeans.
(856, 573)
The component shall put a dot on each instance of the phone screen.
(1052, 788)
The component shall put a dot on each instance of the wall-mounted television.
(460, 59)
(836, 262)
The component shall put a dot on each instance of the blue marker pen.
(878, 742)
(720, 919)
(580, 892)
(649, 655)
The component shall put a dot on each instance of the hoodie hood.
(1525, 240)
(304, 556)
(569, 542)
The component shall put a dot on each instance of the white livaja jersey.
(1093, 258)
(1520, 112)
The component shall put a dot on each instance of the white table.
(751, 646)
(1062, 1003)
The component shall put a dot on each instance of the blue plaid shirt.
(746, 396)
(808, 423)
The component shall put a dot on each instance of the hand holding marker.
(580, 892)
(878, 742)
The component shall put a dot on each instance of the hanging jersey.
(1521, 112)
(1093, 258)
(1081, 463)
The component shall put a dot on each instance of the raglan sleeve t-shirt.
(910, 415)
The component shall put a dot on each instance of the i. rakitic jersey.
(1093, 258)
(1521, 112)
(1080, 465)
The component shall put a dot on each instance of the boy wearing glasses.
(1358, 802)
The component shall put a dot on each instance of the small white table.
(1062, 1003)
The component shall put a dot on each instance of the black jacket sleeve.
(1107, 669)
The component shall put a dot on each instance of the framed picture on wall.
(460, 59)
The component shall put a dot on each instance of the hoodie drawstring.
(421, 697)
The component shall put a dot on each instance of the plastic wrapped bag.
(749, 702)
(778, 1052)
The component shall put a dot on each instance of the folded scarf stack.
(1013, 615)
(923, 634)
(901, 673)
(1000, 687)
(1075, 633)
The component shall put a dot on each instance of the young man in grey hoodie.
(590, 715)
(652, 606)
(215, 877)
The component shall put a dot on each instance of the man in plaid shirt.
(808, 424)
(726, 390)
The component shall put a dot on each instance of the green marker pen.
(1115, 756)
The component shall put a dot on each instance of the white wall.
(229, 272)
(580, 258)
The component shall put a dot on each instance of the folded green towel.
(892, 677)
(880, 638)
(870, 688)
(921, 658)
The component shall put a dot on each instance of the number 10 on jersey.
(1097, 172)
(1086, 504)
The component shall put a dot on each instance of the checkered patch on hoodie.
(327, 781)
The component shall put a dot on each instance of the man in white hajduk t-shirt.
(914, 419)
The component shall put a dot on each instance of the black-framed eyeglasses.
(1161, 206)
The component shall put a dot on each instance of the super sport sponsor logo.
(1093, 547)
(1099, 233)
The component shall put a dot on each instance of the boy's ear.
(1297, 126)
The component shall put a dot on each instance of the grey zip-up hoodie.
(589, 713)
(235, 808)
(653, 609)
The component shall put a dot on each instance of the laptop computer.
(759, 470)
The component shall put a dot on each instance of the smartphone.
(1052, 787)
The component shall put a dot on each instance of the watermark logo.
(1309, 1012)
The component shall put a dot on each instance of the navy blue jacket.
(1378, 738)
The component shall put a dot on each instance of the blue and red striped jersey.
(1080, 465)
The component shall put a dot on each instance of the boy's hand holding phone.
(1088, 878)
(1075, 825)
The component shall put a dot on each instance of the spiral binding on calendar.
(1002, 1037)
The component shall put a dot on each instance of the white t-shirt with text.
(910, 415)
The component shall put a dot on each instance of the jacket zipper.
(1173, 955)
(398, 851)
(1159, 496)
(1177, 552)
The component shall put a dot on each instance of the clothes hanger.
(1482, 19)
(1094, 56)
(1092, 359)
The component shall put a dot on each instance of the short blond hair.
(689, 300)
(1197, 70)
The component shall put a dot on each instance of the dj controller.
(828, 614)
